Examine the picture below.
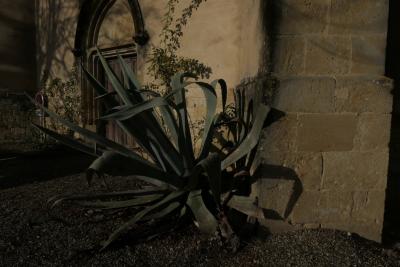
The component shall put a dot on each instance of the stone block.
(368, 54)
(307, 209)
(323, 207)
(326, 132)
(301, 16)
(306, 94)
(368, 206)
(364, 94)
(373, 132)
(274, 193)
(328, 55)
(358, 16)
(280, 136)
(289, 54)
(278, 158)
(335, 206)
(308, 167)
(361, 171)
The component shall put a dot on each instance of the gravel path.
(30, 235)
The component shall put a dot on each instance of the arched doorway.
(115, 27)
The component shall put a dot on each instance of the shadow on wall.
(55, 35)
(272, 177)
(333, 24)
(392, 215)
(17, 46)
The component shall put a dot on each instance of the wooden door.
(112, 130)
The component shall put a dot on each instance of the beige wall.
(226, 35)
(56, 22)
(226, 32)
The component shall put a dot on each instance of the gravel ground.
(30, 235)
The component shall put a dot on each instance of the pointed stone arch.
(91, 17)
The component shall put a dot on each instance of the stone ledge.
(338, 93)
(308, 94)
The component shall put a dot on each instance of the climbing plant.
(164, 61)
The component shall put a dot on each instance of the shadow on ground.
(26, 168)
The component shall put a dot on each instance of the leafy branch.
(164, 61)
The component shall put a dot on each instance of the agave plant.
(203, 185)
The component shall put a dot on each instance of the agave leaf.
(238, 109)
(109, 100)
(134, 85)
(246, 205)
(105, 95)
(125, 227)
(251, 140)
(206, 221)
(224, 90)
(131, 111)
(170, 122)
(135, 202)
(113, 163)
(149, 93)
(249, 116)
(95, 137)
(68, 141)
(212, 167)
(185, 140)
(164, 212)
(135, 89)
(211, 106)
(160, 157)
(183, 212)
(139, 131)
(128, 193)
(243, 129)
(118, 87)
(111, 103)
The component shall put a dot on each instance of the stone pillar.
(329, 56)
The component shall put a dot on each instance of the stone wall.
(329, 56)
(16, 115)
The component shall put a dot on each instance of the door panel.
(113, 131)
